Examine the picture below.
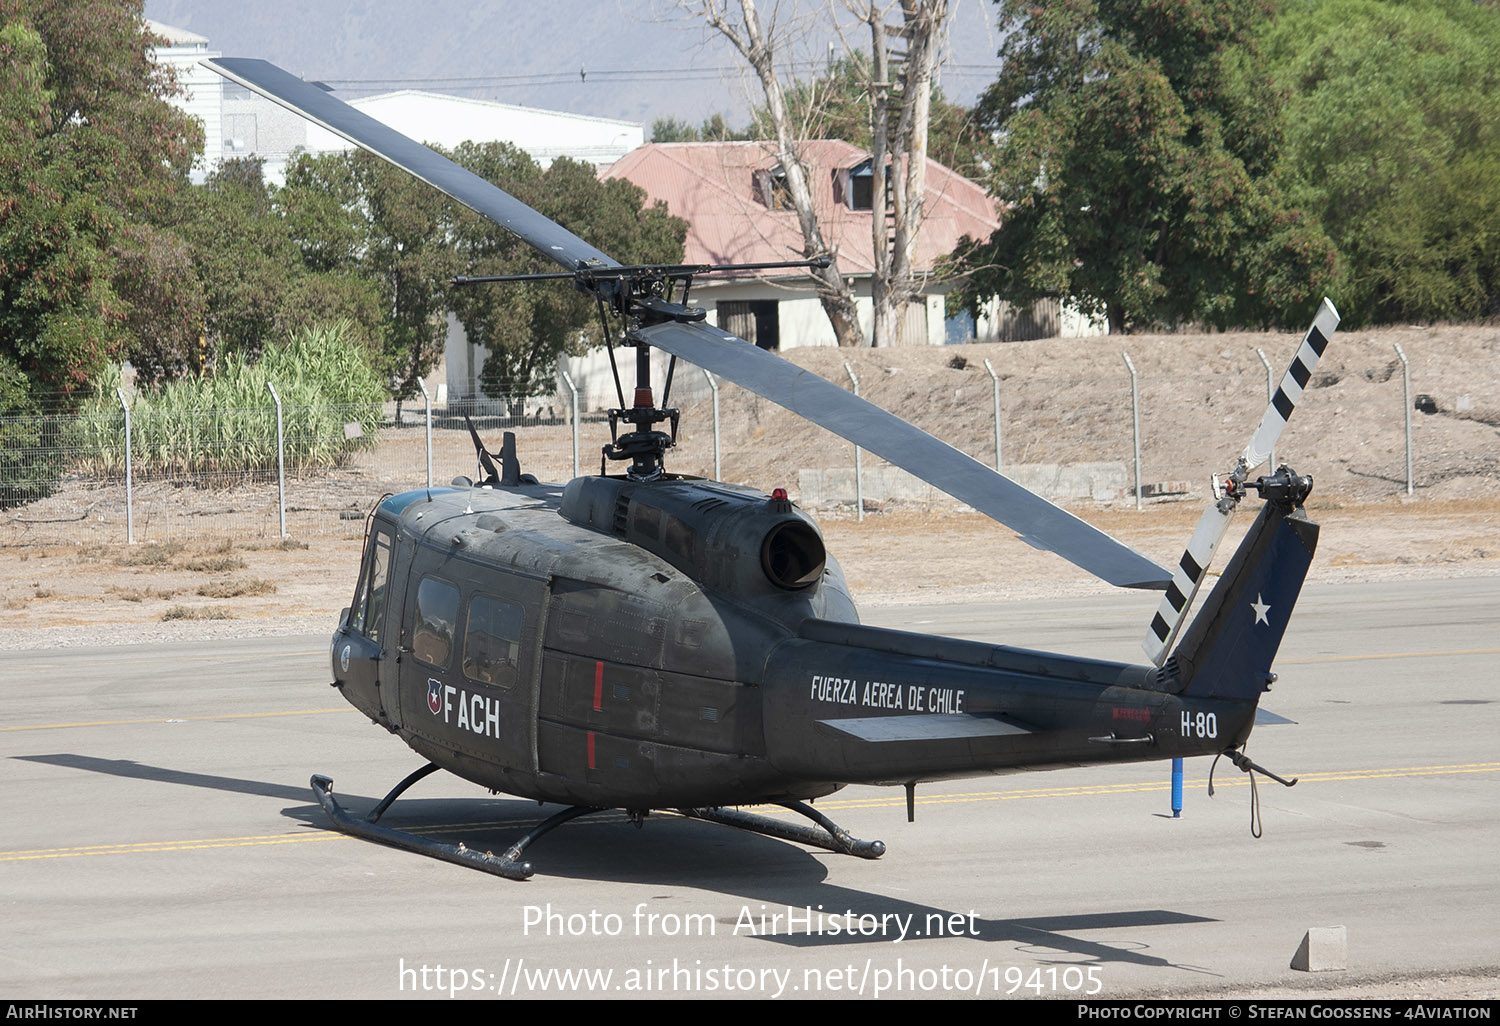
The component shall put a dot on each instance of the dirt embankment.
(1062, 400)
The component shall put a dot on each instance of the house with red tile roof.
(737, 212)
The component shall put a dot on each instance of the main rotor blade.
(542, 233)
(819, 400)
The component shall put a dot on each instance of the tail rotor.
(1190, 571)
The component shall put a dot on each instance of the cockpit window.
(369, 606)
(437, 613)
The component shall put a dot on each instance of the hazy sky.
(641, 60)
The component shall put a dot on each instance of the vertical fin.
(1227, 650)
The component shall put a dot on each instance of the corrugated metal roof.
(176, 36)
(711, 186)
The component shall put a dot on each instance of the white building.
(203, 97)
(239, 123)
(446, 121)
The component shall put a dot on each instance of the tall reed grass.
(224, 424)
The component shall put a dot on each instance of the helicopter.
(650, 642)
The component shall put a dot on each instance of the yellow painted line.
(1391, 655)
(183, 719)
(1109, 789)
(898, 801)
(139, 847)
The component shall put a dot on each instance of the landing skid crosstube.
(824, 833)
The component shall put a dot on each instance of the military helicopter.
(651, 642)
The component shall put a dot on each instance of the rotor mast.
(646, 300)
(640, 297)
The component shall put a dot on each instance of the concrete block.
(1323, 949)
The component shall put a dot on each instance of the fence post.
(1270, 395)
(574, 390)
(859, 484)
(280, 462)
(1406, 395)
(1135, 420)
(714, 386)
(995, 378)
(129, 482)
(427, 401)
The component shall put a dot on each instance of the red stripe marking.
(598, 685)
(591, 749)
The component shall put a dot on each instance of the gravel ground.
(64, 596)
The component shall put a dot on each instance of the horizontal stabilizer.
(924, 727)
(1270, 719)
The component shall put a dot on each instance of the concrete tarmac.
(158, 839)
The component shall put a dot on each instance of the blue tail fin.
(1228, 649)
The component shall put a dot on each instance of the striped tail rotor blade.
(1186, 578)
(1263, 442)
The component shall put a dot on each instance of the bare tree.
(903, 148)
(898, 122)
(756, 47)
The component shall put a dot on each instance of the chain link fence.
(66, 479)
(220, 473)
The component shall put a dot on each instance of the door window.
(492, 640)
(437, 614)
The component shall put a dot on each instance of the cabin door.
(469, 652)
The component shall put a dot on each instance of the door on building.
(755, 321)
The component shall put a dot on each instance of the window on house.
(771, 190)
(861, 188)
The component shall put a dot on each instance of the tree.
(168, 308)
(243, 256)
(836, 105)
(898, 122)
(1393, 143)
(1137, 161)
(91, 158)
(899, 143)
(526, 326)
(354, 212)
(713, 129)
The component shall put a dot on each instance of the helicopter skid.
(506, 864)
(827, 835)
